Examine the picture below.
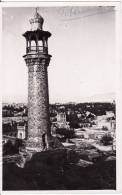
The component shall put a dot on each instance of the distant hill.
(108, 97)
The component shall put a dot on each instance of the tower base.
(32, 148)
(40, 144)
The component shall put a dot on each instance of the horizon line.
(100, 101)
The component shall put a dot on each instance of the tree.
(66, 133)
(73, 119)
(8, 148)
(104, 128)
(107, 139)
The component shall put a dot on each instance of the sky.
(82, 46)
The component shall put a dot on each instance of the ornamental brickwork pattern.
(38, 100)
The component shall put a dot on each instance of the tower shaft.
(38, 101)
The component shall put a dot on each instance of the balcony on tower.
(36, 38)
(37, 41)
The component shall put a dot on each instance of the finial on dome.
(37, 9)
(37, 21)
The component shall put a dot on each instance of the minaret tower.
(37, 60)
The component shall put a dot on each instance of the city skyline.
(81, 66)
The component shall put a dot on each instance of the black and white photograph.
(59, 97)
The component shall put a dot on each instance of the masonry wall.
(38, 101)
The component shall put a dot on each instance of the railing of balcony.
(38, 49)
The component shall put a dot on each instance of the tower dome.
(36, 22)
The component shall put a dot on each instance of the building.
(61, 121)
(37, 60)
(89, 134)
(106, 122)
(61, 117)
(22, 130)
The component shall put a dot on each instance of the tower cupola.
(37, 38)
(36, 22)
